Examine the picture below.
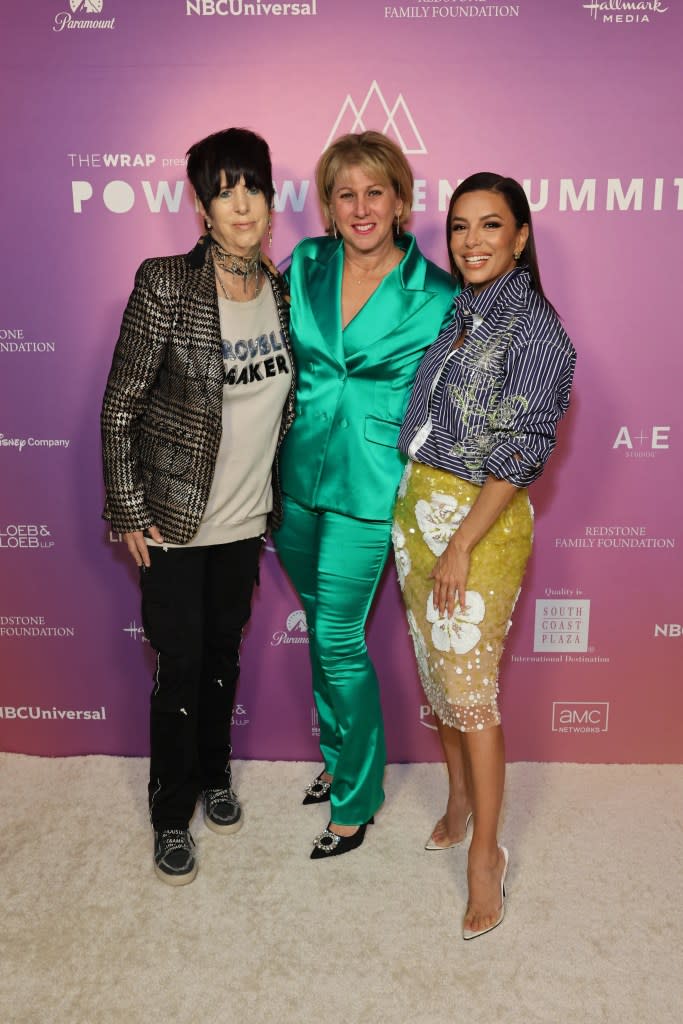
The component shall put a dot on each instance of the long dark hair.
(518, 204)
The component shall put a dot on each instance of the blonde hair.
(373, 152)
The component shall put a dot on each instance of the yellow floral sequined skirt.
(458, 656)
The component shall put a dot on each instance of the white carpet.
(593, 930)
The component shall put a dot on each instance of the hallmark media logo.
(575, 716)
(374, 112)
(669, 629)
(642, 445)
(239, 715)
(427, 717)
(135, 632)
(295, 631)
(25, 535)
(83, 9)
(561, 625)
(624, 12)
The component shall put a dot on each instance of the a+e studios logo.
(83, 15)
(374, 112)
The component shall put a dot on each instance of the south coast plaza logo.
(295, 631)
(575, 716)
(374, 112)
(25, 536)
(624, 12)
(83, 15)
(561, 625)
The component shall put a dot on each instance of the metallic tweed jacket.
(162, 410)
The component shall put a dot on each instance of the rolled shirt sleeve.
(534, 397)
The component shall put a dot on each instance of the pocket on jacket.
(160, 454)
(382, 431)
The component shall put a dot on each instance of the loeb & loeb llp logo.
(83, 11)
(25, 535)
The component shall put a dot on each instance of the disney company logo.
(25, 536)
(580, 717)
(33, 442)
(295, 631)
(625, 12)
(374, 112)
(84, 11)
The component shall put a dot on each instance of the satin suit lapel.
(323, 286)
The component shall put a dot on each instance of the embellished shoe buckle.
(327, 841)
(318, 788)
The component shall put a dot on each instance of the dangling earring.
(334, 228)
(516, 254)
(270, 231)
(398, 224)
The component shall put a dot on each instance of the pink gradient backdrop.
(546, 92)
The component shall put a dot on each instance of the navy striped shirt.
(491, 406)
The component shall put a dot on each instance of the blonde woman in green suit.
(365, 306)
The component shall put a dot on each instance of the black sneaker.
(174, 859)
(222, 811)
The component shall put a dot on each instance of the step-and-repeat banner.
(580, 101)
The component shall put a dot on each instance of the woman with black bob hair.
(198, 400)
(480, 426)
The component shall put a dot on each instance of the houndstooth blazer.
(162, 410)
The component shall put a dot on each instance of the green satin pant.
(336, 562)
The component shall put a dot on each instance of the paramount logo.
(295, 631)
(375, 113)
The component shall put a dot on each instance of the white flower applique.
(403, 563)
(460, 631)
(438, 520)
(421, 651)
(403, 486)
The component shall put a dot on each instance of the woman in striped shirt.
(479, 428)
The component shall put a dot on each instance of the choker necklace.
(239, 266)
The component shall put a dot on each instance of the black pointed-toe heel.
(329, 844)
(318, 791)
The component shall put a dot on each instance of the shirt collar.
(482, 304)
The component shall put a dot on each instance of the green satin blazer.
(353, 385)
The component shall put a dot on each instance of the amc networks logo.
(576, 717)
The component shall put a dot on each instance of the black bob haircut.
(237, 151)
